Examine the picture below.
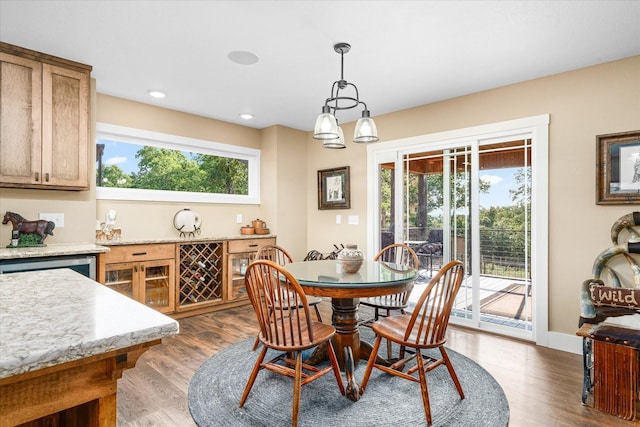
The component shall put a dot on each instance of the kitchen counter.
(54, 249)
(65, 341)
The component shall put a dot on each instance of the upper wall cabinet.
(44, 120)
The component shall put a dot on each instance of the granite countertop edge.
(102, 246)
(54, 249)
(142, 241)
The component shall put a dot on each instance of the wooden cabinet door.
(20, 119)
(44, 120)
(65, 131)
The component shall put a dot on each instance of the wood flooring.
(543, 386)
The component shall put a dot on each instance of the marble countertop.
(54, 249)
(55, 316)
(182, 239)
(101, 246)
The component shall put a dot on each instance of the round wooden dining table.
(327, 278)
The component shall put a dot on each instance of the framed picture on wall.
(333, 188)
(618, 168)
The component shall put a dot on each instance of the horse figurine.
(40, 227)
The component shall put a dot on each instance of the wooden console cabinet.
(184, 278)
(44, 120)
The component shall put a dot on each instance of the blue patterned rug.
(216, 388)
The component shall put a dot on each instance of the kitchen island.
(65, 340)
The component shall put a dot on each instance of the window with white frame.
(135, 164)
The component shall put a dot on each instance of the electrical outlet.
(56, 218)
(239, 218)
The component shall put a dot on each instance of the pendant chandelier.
(327, 129)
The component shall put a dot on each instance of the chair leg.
(370, 363)
(423, 386)
(452, 372)
(317, 313)
(252, 377)
(336, 368)
(296, 389)
(256, 343)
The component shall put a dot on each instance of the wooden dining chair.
(424, 329)
(400, 254)
(280, 256)
(289, 331)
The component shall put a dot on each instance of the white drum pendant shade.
(366, 130)
(326, 127)
(336, 142)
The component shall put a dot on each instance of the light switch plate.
(338, 219)
(354, 219)
(239, 218)
(56, 218)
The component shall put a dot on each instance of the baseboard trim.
(565, 342)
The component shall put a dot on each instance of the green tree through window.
(199, 167)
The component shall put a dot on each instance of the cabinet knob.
(37, 176)
(46, 177)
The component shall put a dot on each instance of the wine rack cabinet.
(200, 274)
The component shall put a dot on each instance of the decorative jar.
(351, 258)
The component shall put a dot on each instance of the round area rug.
(216, 388)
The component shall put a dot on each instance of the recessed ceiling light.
(157, 94)
(242, 57)
(246, 116)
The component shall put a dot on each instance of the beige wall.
(283, 186)
(582, 104)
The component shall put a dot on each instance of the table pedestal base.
(347, 344)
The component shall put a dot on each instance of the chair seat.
(387, 302)
(394, 328)
(321, 333)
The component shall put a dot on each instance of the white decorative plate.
(187, 221)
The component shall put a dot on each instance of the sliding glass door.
(472, 201)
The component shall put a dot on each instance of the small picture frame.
(618, 168)
(333, 188)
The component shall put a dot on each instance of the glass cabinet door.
(119, 277)
(156, 286)
(238, 264)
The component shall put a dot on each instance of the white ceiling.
(404, 53)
